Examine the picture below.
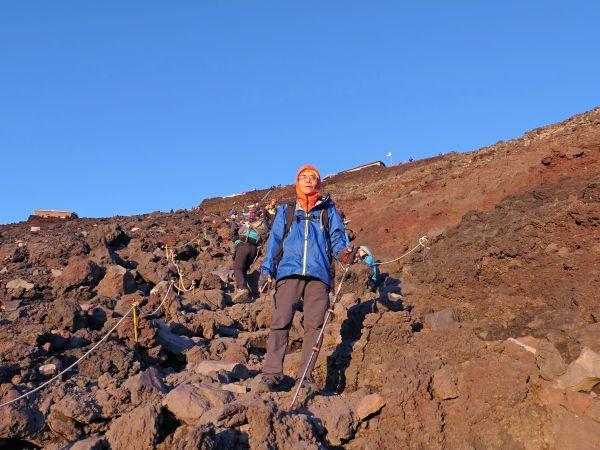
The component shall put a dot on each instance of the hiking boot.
(241, 296)
(267, 383)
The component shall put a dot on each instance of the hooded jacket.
(306, 248)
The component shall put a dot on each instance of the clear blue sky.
(126, 107)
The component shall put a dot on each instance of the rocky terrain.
(489, 338)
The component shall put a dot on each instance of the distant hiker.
(233, 213)
(366, 256)
(250, 215)
(410, 159)
(304, 238)
(233, 230)
(271, 210)
(250, 236)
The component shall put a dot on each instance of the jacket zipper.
(305, 239)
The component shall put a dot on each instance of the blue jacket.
(306, 247)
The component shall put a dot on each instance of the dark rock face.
(485, 336)
(67, 314)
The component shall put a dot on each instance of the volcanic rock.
(79, 272)
(66, 314)
(582, 374)
(138, 429)
(116, 281)
(189, 402)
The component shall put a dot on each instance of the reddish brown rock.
(80, 271)
(189, 402)
(116, 281)
(137, 429)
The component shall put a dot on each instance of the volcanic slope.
(487, 338)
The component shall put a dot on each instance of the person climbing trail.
(305, 237)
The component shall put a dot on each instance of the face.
(308, 181)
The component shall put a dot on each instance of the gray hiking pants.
(286, 299)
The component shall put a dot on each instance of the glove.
(264, 282)
(348, 255)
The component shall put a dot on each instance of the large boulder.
(18, 422)
(18, 288)
(152, 272)
(110, 235)
(214, 299)
(271, 428)
(66, 314)
(79, 407)
(369, 405)
(138, 429)
(189, 402)
(549, 361)
(145, 385)
(583, 373)
(445, 383)
(117, 281)
(68, 415)
(79, 272)
(112, 358)
(171, 342)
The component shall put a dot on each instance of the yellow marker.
(135, 322)
(194, 290)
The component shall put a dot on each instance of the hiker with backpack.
(305, 238)
(251, 234)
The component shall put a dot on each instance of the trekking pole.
(316, 348)
(262, 289)
(266, 195)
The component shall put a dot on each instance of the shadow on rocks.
(352, 330)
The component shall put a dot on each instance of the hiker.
(313, 233)
(233, 229)
(271, 210)
(366, 256)
(250, 236)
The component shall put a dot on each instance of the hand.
(264, 282)
(349, 255)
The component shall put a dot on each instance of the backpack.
(290, 218)
(254, 232)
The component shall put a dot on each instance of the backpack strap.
(325, 225)
(289, 220)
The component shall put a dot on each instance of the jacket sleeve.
(277, 232)
(337, 231)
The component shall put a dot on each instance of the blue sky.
(117, 108)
